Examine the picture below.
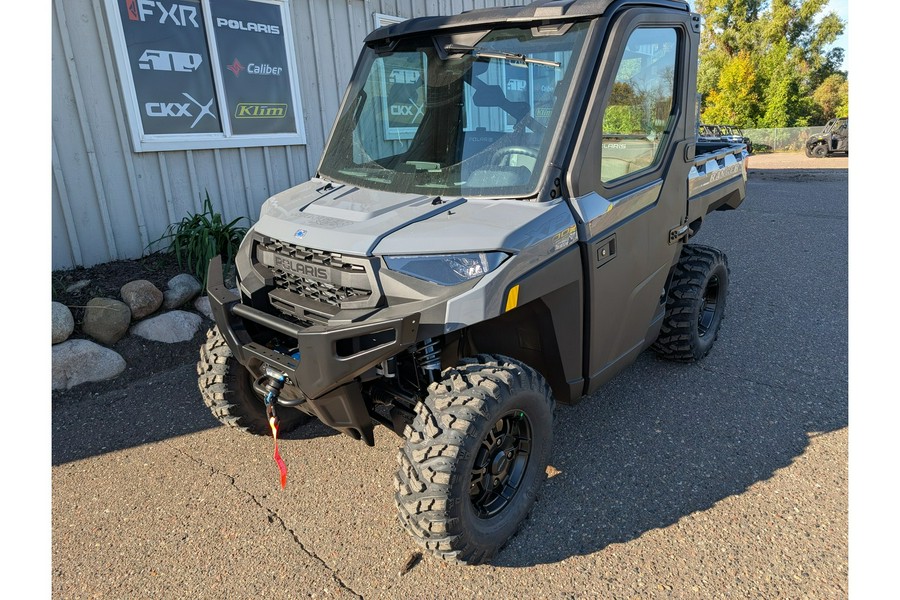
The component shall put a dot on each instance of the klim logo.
(164, 60)
(179, 109)
(182, 15)
(253, 68)
(248, 26)
(259, 110)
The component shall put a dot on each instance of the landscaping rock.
(78, 286)
(106, 320)
(63, 322)
(170, 327)
(201, 305)
(142, 297)
(82, 361)
(181, 290)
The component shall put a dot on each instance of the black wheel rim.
(709, 306)
(500, 464)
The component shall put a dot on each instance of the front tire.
(695, 304)
(474, 458)
(227, 390)
(820, 151)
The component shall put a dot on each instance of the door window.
(637, 117)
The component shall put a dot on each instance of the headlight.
(446, 269)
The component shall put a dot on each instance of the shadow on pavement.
(145, 411)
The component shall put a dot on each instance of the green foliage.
(782, 44)
(199, 237)
(833, 97)
(623, 119)
(734, 101)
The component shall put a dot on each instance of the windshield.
(471, 115)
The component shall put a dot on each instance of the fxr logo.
(179, 14)
(163, 60)
(178, 109)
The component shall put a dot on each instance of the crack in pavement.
(272, 517)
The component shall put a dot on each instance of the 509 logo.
(180, 109)
(260, 110)
(164, 60)
(182, 15)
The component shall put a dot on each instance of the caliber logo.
(236, 67)
(182, 15)
(260, 110)
(178, 109)
(164, 60)
(253, 68)
(248, 26)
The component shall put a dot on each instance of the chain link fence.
(784, 139)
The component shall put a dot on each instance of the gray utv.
(498, 224)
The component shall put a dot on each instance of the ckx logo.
(164, 60)
(178, 109)
(182, 15)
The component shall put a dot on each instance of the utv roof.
(542, 10)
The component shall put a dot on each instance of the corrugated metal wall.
(110, 203)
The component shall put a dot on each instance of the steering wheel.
(502, 155)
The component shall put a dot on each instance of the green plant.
(199, 237)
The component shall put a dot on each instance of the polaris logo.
(248, 26)
(182, 15)
(179, 109)
(300, 268)
(164, 60)
(259, 110)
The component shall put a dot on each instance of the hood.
(342, 218)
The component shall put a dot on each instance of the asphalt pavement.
(722, 479)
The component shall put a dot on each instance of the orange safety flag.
(281, 466)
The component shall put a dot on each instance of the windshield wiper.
(517, 60)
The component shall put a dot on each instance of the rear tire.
(695, 305)
(227, 389)
(474, 458)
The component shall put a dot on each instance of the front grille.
(329, 293)
(320, 291)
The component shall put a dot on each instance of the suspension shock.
(428, 358)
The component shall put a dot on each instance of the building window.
(200, 74)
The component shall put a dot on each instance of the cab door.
(629, 178)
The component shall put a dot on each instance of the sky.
(840, 7)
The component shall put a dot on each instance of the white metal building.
(137, 144)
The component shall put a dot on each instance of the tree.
(772, 53)
(734, 99)
(832, 97)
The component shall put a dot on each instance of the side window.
(640, 104)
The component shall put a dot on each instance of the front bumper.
(321, 362)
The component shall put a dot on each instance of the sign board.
(207, 73)
(170, 67)
(250, 40)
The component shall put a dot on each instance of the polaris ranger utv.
(498, 224)
(834, 139)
